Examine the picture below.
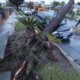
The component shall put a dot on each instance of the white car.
(27, 11)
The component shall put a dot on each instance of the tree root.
(31, 62)
(20, 69)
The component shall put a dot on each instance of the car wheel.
(66, 40)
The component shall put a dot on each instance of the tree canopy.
(78, 3)
(62, 3)
(30, 4)
(56, 3)
(16, 3)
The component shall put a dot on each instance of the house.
(48, 6)
(42, 3)
(76, 8)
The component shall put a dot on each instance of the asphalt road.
(72, 48)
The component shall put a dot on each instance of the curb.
(70, 59)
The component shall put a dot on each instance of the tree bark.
(55, 22)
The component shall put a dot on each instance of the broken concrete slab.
(3, 43)
(5, 75)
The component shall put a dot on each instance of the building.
(76, 8)
(36, 3)
(42, 3)
(48, 6)
(0, 4)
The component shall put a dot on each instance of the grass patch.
(19, 13)
(52, 72)
(19, 26)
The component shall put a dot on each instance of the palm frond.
(29, 22)
(22, 20)
(52, 38)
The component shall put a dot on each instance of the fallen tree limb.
(20, 69)
(55, 21)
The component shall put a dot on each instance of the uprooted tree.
(55, 22)
(32, 43)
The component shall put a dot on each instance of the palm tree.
(29, 22)
(55, 22)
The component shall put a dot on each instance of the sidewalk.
(6, 29)
(5, 75)
(8, 26)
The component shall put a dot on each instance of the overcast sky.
(46, 1)
(49, 1)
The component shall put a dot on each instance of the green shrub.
(19, 26)
(1, 8)
(52, 38)
(52, 72)
(19, 13)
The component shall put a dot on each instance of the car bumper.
(64, 37)
(28, 13)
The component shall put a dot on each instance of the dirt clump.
(38, 54)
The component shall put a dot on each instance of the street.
(72, 47)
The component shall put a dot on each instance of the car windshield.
(51, 16)
(62, 22)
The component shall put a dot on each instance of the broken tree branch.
(20, 69)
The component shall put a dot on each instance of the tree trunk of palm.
(55, 22)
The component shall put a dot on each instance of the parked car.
(63, 30)
(27, 11)
(33, 12)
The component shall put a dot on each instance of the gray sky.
(46, 1)
(49, 1)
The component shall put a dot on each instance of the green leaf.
(29, 22)
(51, 38)
(29, 68)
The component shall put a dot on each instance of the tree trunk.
(55, 22)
